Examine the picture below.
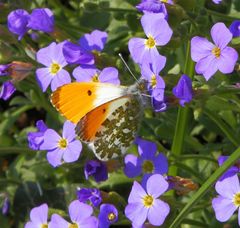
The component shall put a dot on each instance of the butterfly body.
(107, 116)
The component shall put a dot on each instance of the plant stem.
(182, 117)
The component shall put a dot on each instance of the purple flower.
(145, 50)
(81, 53)
(38, 216)
(4, 70)
(53, 60)
(65, 148)
(91, 194)
(217, 1)
(97, 169)
(144, 203)
(183, 90)
(74, 54)
(35, 139)
(235, 169)
(235, 28)
(147, 163)
(107, 216)
(7, 90)
(17, 22)
(150, 72)
(80, 215)
(228, 200)
(212, 57)
(41, 20)
(5, 206)
(86, 74)
(154, 6)
(94, 41)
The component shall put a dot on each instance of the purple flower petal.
(158, 91)
(57, 221)
(39, 215)
(94, 41)
(79, 211)
(221, 35)
(41, 126)
(235, 28)
(161, 164)
(228, 187)
(61, 78)
(158, 212)
(90, 222)
(147, 149)
(227, 60)
(45, 55)
(72, 151)
(17, 22)
(200, 48)
(74, 54)
(131, 169)
(96, 169)
(7, 90)
(44, 78)
(41, 20)
(152, 23)
(156, 185)
(69, 131)
(4, 69)
(137, 193)
(136, 47)
(83, 74)
(153, 6)
(136, 212)
(207, 66)
(224, 208)
(51, 140)
(54, 157)
(183, 89)
(109, 75)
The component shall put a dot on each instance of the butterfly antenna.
(120, 55)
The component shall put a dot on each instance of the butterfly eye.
(89, 92)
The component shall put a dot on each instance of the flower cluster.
(20, 21)
(80, 214)
(60, 149)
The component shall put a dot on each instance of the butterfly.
(107, 116)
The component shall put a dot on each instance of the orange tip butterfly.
(107, 116)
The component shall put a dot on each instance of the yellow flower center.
(150, 42)
(148, 201)
(111, 216)
(95, 78)
(236, 199)
(54, 68)
(216, 51)
(74, 225)
(62, 144)
(44, 226)
(147, 166)
(165, 1)
(153, 81)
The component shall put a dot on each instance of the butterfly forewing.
(115, 126)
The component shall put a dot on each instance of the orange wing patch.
(91, 122)
(76, 99)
